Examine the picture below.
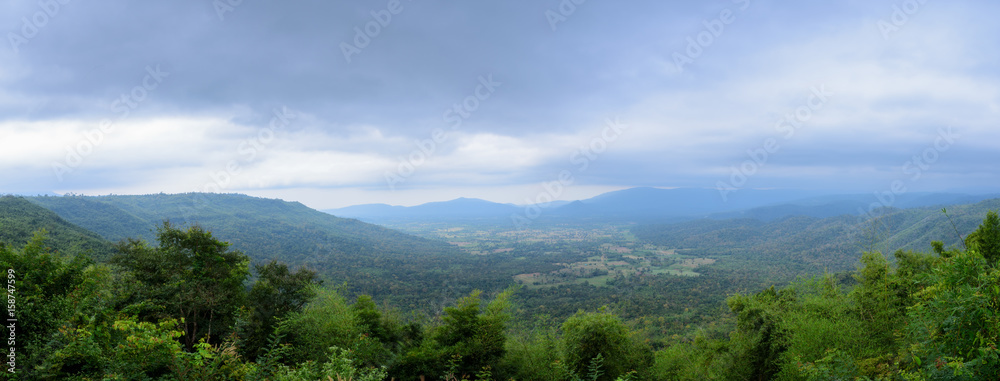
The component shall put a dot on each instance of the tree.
(759, 339)
(589, 335)
(478, 339)
(325, 322)
(196, 277)
(470, 340)
(986, 239)
(880, 301)
(39, 286)
(276, 293)
(955, 325)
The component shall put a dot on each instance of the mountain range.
(647, 205)
(816, 231)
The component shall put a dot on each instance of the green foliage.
(919, 317)
(986, 239)
(701, 359)
(759, 340)
(20, 219)
(326, 322)
(955, 324)
(276, 293)
(42, 283)
(338, 366)
(836, 365)
(338, 249)
(470, 340)
(196, 277)
(586, 336)
(880, 303)
(477, 338)
(530, 354)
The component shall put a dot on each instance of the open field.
(594, 255)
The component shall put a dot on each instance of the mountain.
(464, 208)
(851, 204)
(376, 211)
(657, 203)
(805, 243)
(374, 260)
(631, 204)
(646, 204)
(457, 209)
(20, 219)
(263, 228)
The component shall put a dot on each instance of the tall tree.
(194, 276)
(986, 239)
(276, 293)
(588, 335)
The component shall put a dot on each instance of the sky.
(337, 103)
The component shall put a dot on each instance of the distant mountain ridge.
(645, 204)
(851, 204)
(832, 243)
(459, 208)
(633, 203)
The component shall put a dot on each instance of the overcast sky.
(334, 103)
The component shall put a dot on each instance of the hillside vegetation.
(339, 249)
(810, 244)
(186, 308)
(20, 219)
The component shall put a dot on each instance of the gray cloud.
(604, 59)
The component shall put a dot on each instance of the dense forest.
(186, 304)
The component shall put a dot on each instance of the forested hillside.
(370, 258)
(186, 308)
(810, 244)
(20, 219)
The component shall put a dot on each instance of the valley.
(670, 281)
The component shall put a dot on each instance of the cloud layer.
(338, 103)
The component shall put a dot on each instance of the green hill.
(809, 244)
(370, 258)
(914, 229)
(20, 219)
(263, 228)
